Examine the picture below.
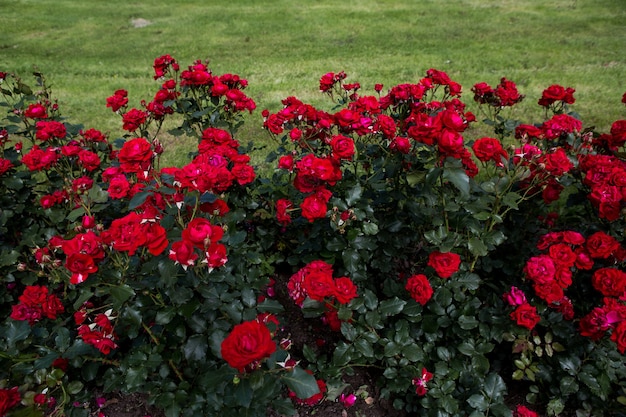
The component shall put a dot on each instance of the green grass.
(87, 49)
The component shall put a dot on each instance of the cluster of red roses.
(551, 274)
(9, 398)
(322, 142)
(315, 281)
(36, 303)
(99, 333)
(505, 94)
(445, 265)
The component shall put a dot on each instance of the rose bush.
(448, 268)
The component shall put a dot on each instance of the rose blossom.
(318, 285)
(522, 411)
(445, 264)
(247, 344)
(345, 290)
(36, 111)
(182, 252)
(526, 315)
(315, 206)
(419, 288)
(515, 297)
(282, 211)
(9, 398)
(601, 245)
(489, 149)
(118, 100)
(611, 282)
(342, 146)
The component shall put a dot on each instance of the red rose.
(319, 285)
(400, 144)
(118, 100)
(611, 282)
(216, 255)
(247, 344)
(286, 162)
(217, 208)
(550, 291)
(560, 124)
(36, 111)
(507, 93)
(202, 233)
(89, 160)
(80, 265)
(489, 149)
(557, 163)
(601, 245)
(9, 398)
(562, 255)
(282, 213)
(525, 132)
(243, 173)
(315, 206)
(419, 288)
(126, 233)
(156, 238)
(522, 411)
(47, 130)
(540, 269)
(556, 93)
(445, 264)
(450, 143)
(135, 155)
(595, 324)
(133, 119)
(182, 252)
(345, 290)
(5, 165)
(52, 307)
(526, 315)
(342, 146)
(118, 187)
(619, 336)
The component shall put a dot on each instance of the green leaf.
(459, 178)
(342, 355)
(478, 402)
(568, 385)
(351, 260)
(494, 387)
(120, 295)
(511, 199)
(391, 307)
(468, 322)
(138, 199)
(196, 347)
(353, 194)
(248, 297)
(467, 348)
(271, 306)
(477, 247)
(370, 228)
(365, 347)
(589, 380)
(18, 330)
(74, 387)
(303, 384)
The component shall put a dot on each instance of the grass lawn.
(88, 49)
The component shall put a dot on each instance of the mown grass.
(89, 49)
